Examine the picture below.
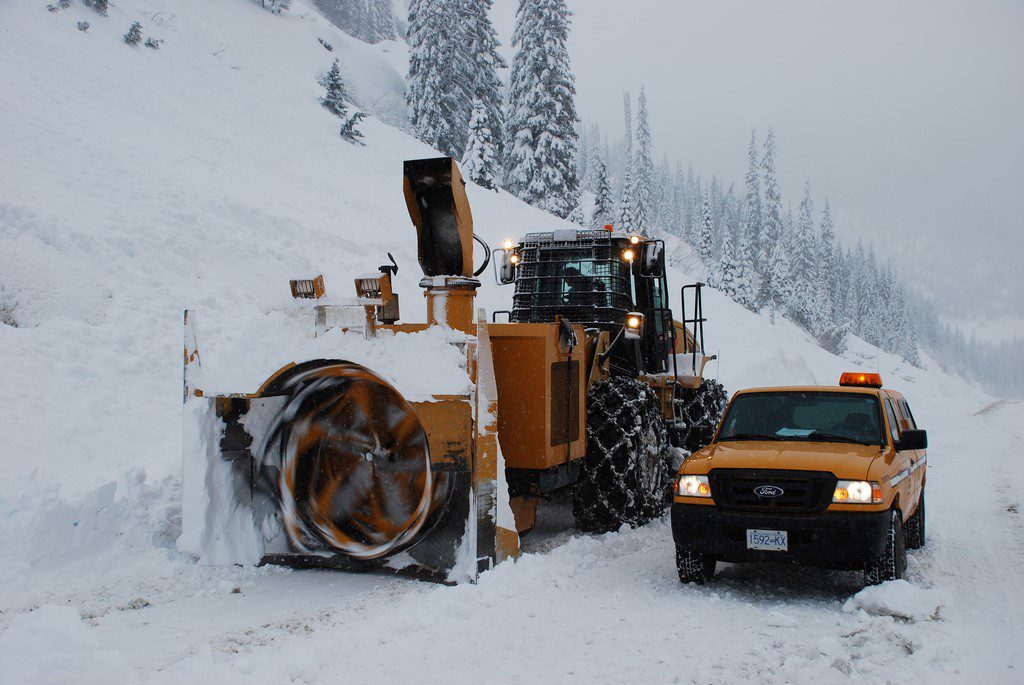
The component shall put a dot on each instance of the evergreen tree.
(335, 100)
(483, 50)
(750, 228)
(771, 222)
(381, 21)
(727, 272)
(643, 170)
(577, 216)
(274, 6)
(134, 35)
(776, 284)
(807, 304)
(705, 239)
(439, 82)
(101, 6)
(479, 164)
(542, 116)
(626, 218)
(604, 211)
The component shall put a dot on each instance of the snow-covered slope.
(134, 183)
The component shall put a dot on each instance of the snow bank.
(899, 599)
(53, 645)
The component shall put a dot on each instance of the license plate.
(771, 540)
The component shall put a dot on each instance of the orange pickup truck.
(830, 476)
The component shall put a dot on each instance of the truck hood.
(842, 459)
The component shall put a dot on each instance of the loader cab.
(595, 278)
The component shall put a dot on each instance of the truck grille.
(803, 492)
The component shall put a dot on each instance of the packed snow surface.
(137, 183)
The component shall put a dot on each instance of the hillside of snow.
(136, 183)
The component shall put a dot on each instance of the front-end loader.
(341, 460)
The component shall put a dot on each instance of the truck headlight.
(857, 492)
(693, 486)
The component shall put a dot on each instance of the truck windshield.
(804, 416)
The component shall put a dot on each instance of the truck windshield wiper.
(750, 436)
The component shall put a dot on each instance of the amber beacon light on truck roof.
(863, 380)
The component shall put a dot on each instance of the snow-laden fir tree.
(438, 86)
(750, 228)
(804, 266)
(663, 196)
(776, 284)
(625, 216)
(134, 35)
(101, 6)
(541, 125)
(577, 216)
(480, 163)
(726, 269)
(705, 239)
(482, 41)
(604, 207)
(336, 99)
(747, 278)
(381, 18)
(771, 220)
(643, 170)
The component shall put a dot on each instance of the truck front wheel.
(892, 565)
(693, 567)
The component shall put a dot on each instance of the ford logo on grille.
(768, 491)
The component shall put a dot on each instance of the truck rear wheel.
(915, 526)
(892, 565)
(693, 567)
(697, 408)
(625, 471)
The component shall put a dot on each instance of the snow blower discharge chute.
(338, 460)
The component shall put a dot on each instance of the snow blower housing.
(425, 446)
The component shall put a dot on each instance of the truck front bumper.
(832, 539)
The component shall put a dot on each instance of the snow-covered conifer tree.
(439, 83)
(705, 239)
(483, 50)
(335, 100)
(750, 228)
(479, 164)
(747, 279)
(626, 218)
(274, 6)
(776, 284)
(807, 303)
(541, 126)
(381, 21)
(727, 270)
(771, 221)
(643, 170)
(134, 35)
(604, 209)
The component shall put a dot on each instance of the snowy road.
(610, 609)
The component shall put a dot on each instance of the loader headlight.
(693, 486)
(634, 325)
(628, 255)
(634, 239)
(507, 245)
(857, 492)
(514, 258)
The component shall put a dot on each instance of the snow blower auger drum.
(352, 464)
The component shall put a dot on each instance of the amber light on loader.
(865, 380)
(634, 325)
(857, 492)
(693, 486)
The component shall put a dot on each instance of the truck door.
(902, 479)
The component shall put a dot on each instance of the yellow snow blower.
(425, 447)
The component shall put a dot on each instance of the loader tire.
(915, 533)
(697, 408)
(624, 474)
(892, 565)
(693, 567)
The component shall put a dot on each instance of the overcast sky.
(908, 115)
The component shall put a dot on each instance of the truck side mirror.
(652, 260)
(913, 439)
